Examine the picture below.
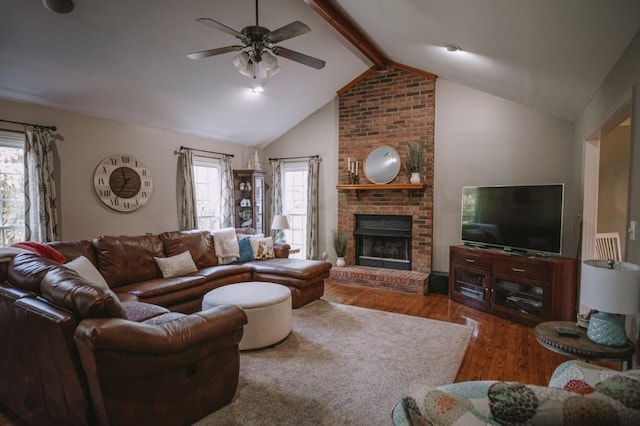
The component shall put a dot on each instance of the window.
(294, 206)
(207, 177)
(11, 188)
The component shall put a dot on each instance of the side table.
(581, 347)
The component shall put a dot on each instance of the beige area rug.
(342, 365)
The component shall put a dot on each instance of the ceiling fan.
(256, 58)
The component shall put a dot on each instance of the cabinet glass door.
(526, 299)
(259, 197)
(470, 284)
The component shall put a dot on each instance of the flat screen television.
(517, 217)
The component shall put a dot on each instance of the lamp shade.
(280, 222)
(614, 290)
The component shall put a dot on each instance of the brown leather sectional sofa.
(139, 352)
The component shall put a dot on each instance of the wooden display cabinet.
(248, 187)
(525, 289)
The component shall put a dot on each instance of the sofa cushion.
(222, 271)
(300, 269)
(455, 404)
(145, 290)
(176, 266)
(198, 242)
(27, 270)
(65, 288)
(616, 401)
(75, 248)
(125, 260)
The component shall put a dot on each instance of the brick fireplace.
(390, 107)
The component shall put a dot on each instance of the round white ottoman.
(268, 309)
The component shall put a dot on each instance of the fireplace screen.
(383, 241)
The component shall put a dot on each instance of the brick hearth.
(388, 279)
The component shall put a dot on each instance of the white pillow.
(262, 248)
(86, 270)
(176, 266)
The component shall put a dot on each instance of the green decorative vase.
(606, 329)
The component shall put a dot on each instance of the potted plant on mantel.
(414, 161)
(340, 243)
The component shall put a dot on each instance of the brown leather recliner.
(80, 356)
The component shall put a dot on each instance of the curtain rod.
(295, 158)
(52, 128)
(208, 152)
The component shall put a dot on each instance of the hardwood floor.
(499, 349)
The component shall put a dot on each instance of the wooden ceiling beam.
(338, 19)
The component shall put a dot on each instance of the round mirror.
(382, 164)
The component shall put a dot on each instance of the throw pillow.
(176, 266)
(262, 248)
(86, 270)
(246, 252)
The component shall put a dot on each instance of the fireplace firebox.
(383, 241)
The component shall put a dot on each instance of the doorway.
(613, 181)
(606, 179)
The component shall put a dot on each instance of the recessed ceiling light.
(59, 6)
(452, 47)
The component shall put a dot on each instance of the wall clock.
(123, 182)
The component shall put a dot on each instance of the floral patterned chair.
(578, 394)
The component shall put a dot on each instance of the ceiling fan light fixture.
(273, 71)
(259, 45)
(258, 88)
(247, 72)
(241, 60)
(452, 47)
(269, 61)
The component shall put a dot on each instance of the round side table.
(581, 347)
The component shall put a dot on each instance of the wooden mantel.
(409, 187)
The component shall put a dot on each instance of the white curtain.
(312, 208)
(41, 216)
(187, 214)
(227, 199)
(276, 202)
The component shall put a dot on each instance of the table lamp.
(279, 223)
(610, 288)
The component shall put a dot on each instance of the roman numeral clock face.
(123, 183)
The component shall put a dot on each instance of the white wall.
(622, 79)
(481, 139)
(85, 141)
(316, 135)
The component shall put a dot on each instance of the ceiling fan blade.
(291, 30)
(299, 57)
(213, 52)
(221, 27)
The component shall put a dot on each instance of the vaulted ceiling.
(127, 60)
